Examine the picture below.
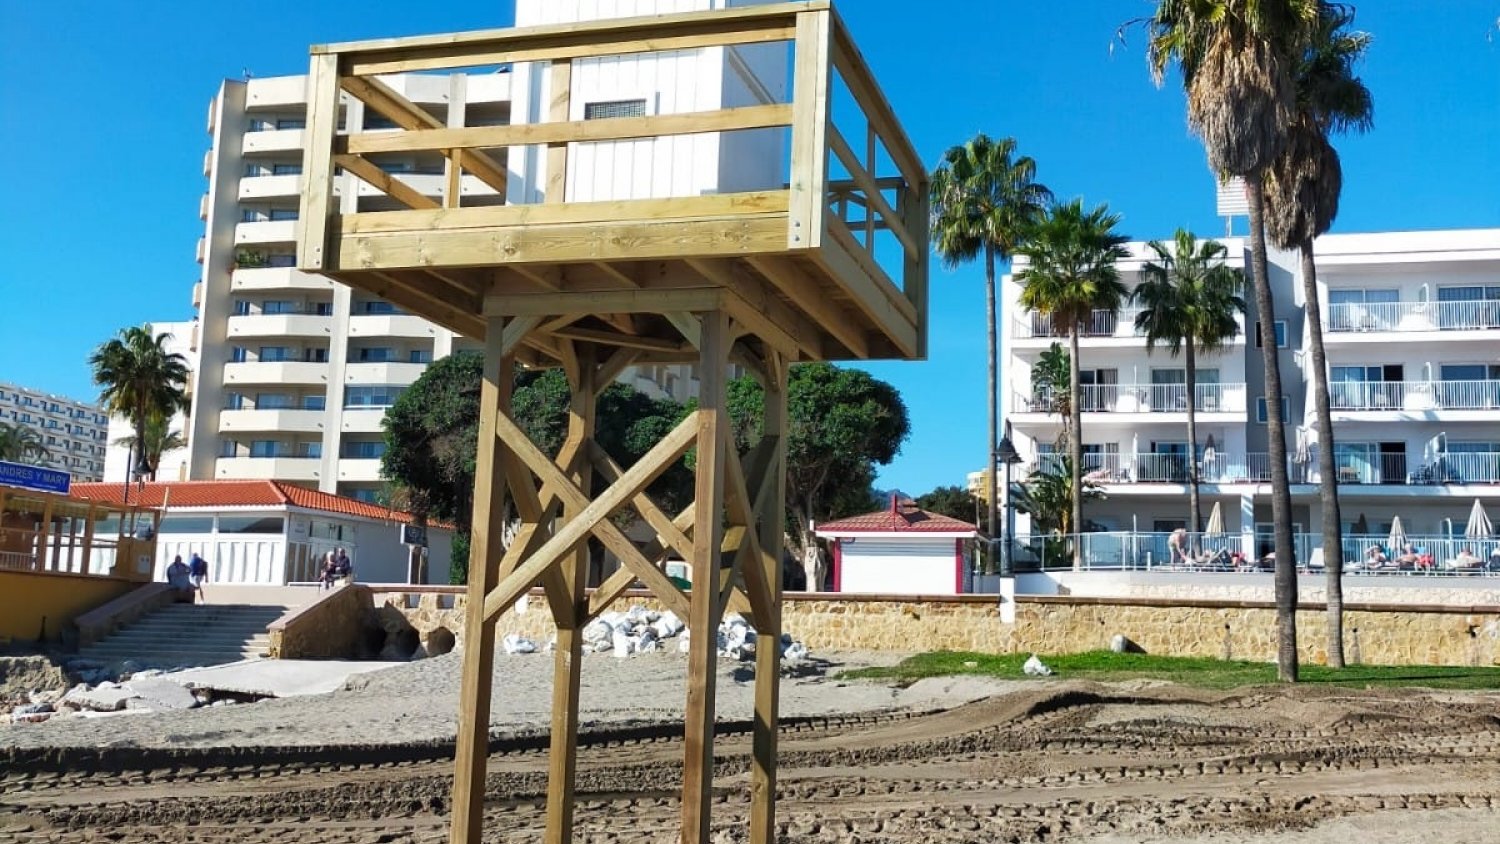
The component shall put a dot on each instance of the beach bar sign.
(34, 477)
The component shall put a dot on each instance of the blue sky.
(102, 108)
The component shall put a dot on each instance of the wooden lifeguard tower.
(827, 260)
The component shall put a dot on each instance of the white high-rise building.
(294, 372)
(1411, 322)
(72, 432)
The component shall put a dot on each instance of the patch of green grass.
(1107, 666)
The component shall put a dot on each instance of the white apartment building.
(294, 372)
(73, 432)
(1412, 333)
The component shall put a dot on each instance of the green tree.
(1189, 299)
(841, 424)
(1236, 59)
(20, 444)
(984, 201)
(1051, 377)
(952, 501)
(1069, 275)
(159, 440)
(139, 379)
(1047, 496)
(1302, 200)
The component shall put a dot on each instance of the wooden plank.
(608, 301)
(412, 117)
(915, 206)
(549, 245)
(517, 329)
(768, 625)
(687, 325)
(563, 131)
(708, 537)
(871, 290)
(741, 511)
(860, 80)
(593, 518)
(805, 334)
(810, 106)
(674, 208)
(385, 182)
(560, 93)
(453, 181)
(873, 196)
(615, 273)
(448, 311)
(614, 365)
(318, 202)
(650, 344)
(472, 748)
(672, 536)
(804, 293)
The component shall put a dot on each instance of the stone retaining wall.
(1374, 633)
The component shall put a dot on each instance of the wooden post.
(318, 202)
(568, 655)
(768, 629)
(703, 621)
(472, 750)
(812, 73)
(559, 109)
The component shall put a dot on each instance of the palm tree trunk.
(1328, 482)
(1075, 445)
(1281, 490)
(1195, 507)
(994, 390)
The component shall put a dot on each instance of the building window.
(283, 213)
(291, 123)
(315, 355)
(310, 450)
(233, 401)
(378, 355)
(379, 307)
(186, 524)
(323, 308)
(274, 401)
(241, 307)
(281, 260)
(229, 448)
(614, 108)
(1281, 336)
(268, 448)
(253, 215)
(362, 450)
(1260, 409)
(286, 169)
(277, 354)
(314, 402)
(421, 356)
(255, 169)
(368, 496)
(252, 524)
(237, 354)
(371, 396)
(279, 306)
(375, 120)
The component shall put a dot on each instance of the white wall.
(899, 566)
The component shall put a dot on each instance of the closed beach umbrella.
(1215, 520)
(1397, 539)
(1479, 523)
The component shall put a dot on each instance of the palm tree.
(1051, 376)
(159, 439)
(1302, 200)
(1236, 63)
(140, 379)
(20, 444)
(1070, 274)
(984, 200)
(1189, 298)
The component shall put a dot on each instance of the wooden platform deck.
(828, 264)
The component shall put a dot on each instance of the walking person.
(179, 577)
(198, 575)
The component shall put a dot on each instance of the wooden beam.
(614, 366)
(562, 244)
(412, 117)
(560, 93)
(611, 301)
(875, 199)
(593, 518)
(870, 288)
(741, 511)
(737, 205)
(811, 78)
(805, 335)
(804, 293)
(472, 748)
(453, 181)
(450, 313)
(614, 273)
(708, 537)
(672, 537)
(768, 625)
(914, 204)
(385, 182)
(608, 338)
(565, 131)
(318, 203)
(516, 330)
(686, 325)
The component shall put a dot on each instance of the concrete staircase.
(190, 635)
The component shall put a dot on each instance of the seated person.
(1408, 555)
(1375, 557)
(1466, 560)
(1494, 560)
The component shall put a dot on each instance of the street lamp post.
(1006, 453)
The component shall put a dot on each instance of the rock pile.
(639, 630)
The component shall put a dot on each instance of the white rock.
(667, 625)
(162, 694)
(795, 651)
(1034, 667)
(597, 631)
(624, 645)
(514, 643)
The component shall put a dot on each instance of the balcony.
(274, 140)
(359, 469)
(281, 325)
(266, 231)
(1118, 324)
(268, 187)
(1384, 396)
(277, 278)
(1413, 317)
(1142, 398)
(383, 373)
(254, 421)
(819, 246)
(305, 469)
(275, 372)
(391, 325)
(1353, 467)
(362, 420)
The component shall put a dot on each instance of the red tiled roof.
(900, 517)
(235, 494)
